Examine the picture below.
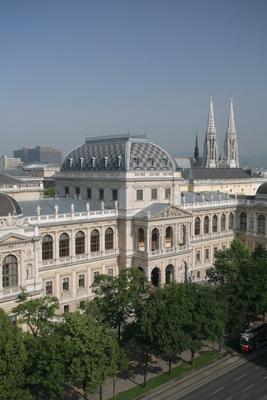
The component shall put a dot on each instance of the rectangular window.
(139, 194)
(81, 281)
(198, 274)
(114, 194)
(67, 192)
(89, 193)
(101, 194)
(167, 193)
(96, 273)
(154, 194)
(48, 287)
(207, 254)
(65, 284)
(77, 192)
(198, 256)
(110, 271)
(66, 308)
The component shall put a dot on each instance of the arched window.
(141, 239)
(155, 239)
(197, 226)
(215, 223)
(169, 274)
(95, 241)
(80, 243)
(47, 247)
(243, 221)
(261, 224)
(64, 245)
(10, 271)
(109, 239)
(206, 224)
(183, 236)
(231, 221)
(169, 237)
(223, 219)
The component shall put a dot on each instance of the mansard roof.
(118, 153)
(47, 206)
(215, 173)
(8, 205)
(262, 190)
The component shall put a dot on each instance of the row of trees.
(82, 349)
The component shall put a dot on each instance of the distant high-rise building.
(41, 154)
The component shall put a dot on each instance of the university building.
(122, 202)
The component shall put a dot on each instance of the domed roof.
(8, 205)
(122, 152)
(262, 189)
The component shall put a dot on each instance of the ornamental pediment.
(171, 212)
(13, 237)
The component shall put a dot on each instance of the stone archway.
(169, 274)
(155, 276)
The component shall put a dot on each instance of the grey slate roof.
(199, 197)
(153, 209)
(262, 189)
(215, 173)
(8, 205)
(135, 152)
(29, 208)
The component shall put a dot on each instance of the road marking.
(218, 390)
(240, 377)
(247, 388)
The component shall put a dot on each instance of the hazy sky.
(76, 68)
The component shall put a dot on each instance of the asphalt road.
(247, 381)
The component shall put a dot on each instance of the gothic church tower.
(210, 155)
(230, 144)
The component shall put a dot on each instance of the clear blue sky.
(71, 69)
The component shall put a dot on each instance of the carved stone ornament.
(172, 212)
(11, 220)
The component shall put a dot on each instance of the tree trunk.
(145, 368)
(114, 386)
(192, 358)
(85, 396)
(101, 393)
(170, 365)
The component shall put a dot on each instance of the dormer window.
(165, 162)
(93, 162)
(151, 161)
(70, 162)
(118, 161)
(136, 162)
(81, 162)
(105, 162)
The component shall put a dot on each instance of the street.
(244, 382)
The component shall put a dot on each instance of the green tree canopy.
(13, 356)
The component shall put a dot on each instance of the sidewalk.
(134, 374)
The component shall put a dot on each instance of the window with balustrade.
(214, 223)
(64, 245)
(47, 247)
(197, 226)
(223, 222)
(80, 243)
(95, 241)
(109, 239)
(206, 225)
(243, 221)
(261, 224)
(10, 272)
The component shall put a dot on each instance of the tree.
(206, 319)
(119, 298)
(45, 368)
(13, 358)
(91, 352)
(50, 192)
(36, 313)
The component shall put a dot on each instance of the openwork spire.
(211, 123)
(196, 151)
(231, 120)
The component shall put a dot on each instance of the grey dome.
(262, 189)
(122, 153)
(8, 205)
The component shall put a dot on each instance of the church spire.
(230, 143)
(196, 151)
(210, 156)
